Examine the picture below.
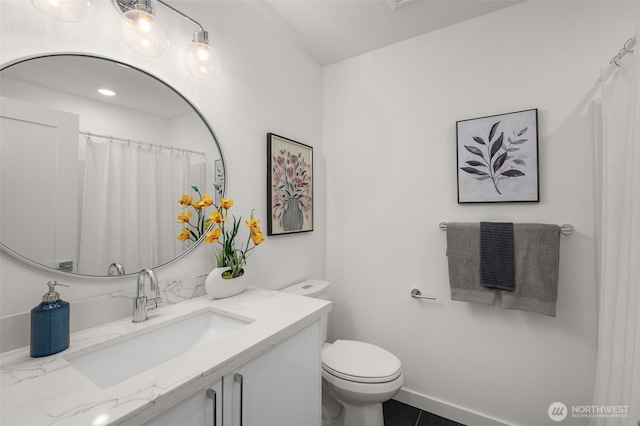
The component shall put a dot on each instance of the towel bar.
(417, 294)
(565, 228)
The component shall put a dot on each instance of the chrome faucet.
(141, 301)
(115, 268)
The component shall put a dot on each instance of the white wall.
(267, 85)
(390, 146)
(95, 116)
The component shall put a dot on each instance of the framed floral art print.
(498, 158)
(289, 186)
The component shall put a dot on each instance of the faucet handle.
(152, 303)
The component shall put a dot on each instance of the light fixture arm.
(125, 5)
(199, 57)
(201, 36)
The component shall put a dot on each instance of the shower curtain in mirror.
(618, 366)
(130, 206)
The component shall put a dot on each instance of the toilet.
(359, 375)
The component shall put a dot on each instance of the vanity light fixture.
(142, 31)
(199, 57)
(140, 28)
(64, 10)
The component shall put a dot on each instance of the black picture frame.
(497, 158)
(289, 186)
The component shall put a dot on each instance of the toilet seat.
(360, 362)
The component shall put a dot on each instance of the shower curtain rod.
(140, 143)
(628, 47)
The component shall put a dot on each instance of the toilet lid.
(360, 362)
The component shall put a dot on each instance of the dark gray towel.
(463, 256)
(537, 259)
(497, 268)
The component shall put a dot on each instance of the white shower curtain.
(618, 366)
(130, 206)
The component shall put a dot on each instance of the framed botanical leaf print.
(498, 158)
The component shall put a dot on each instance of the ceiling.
(83, 75)
(328, 30)
(333, 30)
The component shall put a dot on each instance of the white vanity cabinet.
(196, 410)
(280, 387)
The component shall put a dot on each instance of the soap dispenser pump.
(50, 324)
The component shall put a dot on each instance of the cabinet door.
(197, 410)
(282, 387)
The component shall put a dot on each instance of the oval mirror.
(95, 157)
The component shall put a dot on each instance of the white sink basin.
(122, 359)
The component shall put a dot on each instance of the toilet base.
(332, 410)
(363, 415)
(360, 409)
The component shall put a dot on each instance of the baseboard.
(447, 410)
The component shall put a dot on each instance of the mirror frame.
(40, 266)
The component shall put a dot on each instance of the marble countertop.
(49, 391)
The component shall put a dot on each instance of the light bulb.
(201, 60)
(144, 34)
(106, 92)
(64, 10)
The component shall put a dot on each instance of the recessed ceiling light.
(106, 92)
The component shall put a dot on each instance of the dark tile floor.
(399, 414)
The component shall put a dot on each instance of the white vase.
(219, 288)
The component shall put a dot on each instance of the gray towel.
(537, 262)
(463, 256)
(496, 255)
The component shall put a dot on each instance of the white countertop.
(49, 391)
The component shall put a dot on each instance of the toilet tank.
(316, 289)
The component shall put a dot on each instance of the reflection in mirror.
(91, 184)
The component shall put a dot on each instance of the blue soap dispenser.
(50, 324)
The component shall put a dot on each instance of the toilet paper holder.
(417, 294)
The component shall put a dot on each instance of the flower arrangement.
(291, 181)
(216, 231)
(193, 230)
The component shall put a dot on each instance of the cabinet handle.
(212, 395)
(239, 379)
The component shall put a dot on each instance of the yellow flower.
(185, 201)
(256, 236)
(217, 218)
(252, 224)
(226, 204)
(184, 235)
(184, 218)
(212, 237)
(206, 201)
